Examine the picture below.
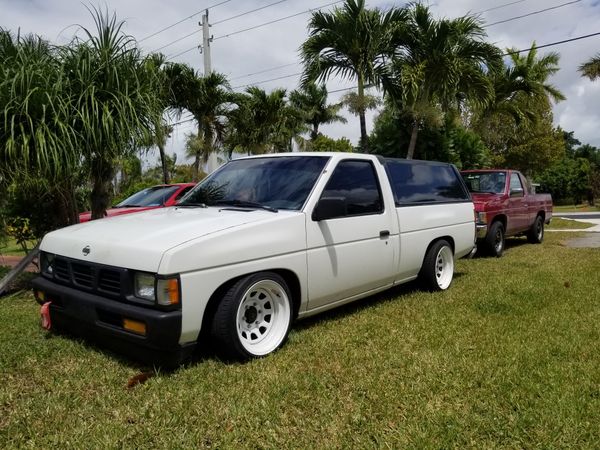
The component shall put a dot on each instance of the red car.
(150, 198)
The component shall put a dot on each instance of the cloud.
(277, 44)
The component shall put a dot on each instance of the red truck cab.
(506, 205)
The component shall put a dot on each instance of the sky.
(238, 52)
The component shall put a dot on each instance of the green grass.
(558, 223)
(575, 208)
(10, 247)
(508, 357)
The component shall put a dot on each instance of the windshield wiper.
(193, 205)
(246, 204)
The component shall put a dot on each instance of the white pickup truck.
(260, 242)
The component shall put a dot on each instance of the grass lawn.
(575, 208)
(558, 223)
(508, 357)
(11, 247)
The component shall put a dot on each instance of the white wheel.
(444, 267)
(254, 316)
(263, 317)
(437, 271)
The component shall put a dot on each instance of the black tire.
(494, 240)
(262, 303)
(535, 235)
(437, 271)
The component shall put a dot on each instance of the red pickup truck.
(506, 205)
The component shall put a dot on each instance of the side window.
(515, 182)
(356, 182)
(416, 183)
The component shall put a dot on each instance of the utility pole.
(212, 162)
(206, 40)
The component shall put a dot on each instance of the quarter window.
(356, 182)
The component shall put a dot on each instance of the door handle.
(384, 234)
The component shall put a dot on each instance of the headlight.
(481, 217)
(46, 261)
(144, 286)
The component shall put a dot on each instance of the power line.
(551, 44)
(219, 22)
(516, 52)
(266, 81)
(250, 12)
(276, 20)
(255, 27)
(263, 71)
(292, 64)
(183, 20)
(500, 6)
(532, 13)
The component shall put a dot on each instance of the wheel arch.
(500, 218)
(449, 239)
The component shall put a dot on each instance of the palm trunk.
(315, 132)
(413, 140)
(163, 163)
(197, 158)
(364, 140)
(102, 176)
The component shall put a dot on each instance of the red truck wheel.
(535, 235)
(494, 241)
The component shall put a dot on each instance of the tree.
(39, 147)
(591, 68)
(263, 122)
(448, 141)
(311, 100)
(208, 99)
(523, 83)
(324, 143)
(440, 63)
(354, 43)
(113, 99)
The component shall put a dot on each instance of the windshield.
(154, 196)
(485, 182)
(275, 182)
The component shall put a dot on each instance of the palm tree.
(523, 80)
(354, 43)
(440, 64)
(263, 122)
(311, 100)
(208, 99)
(113, 100)
(591, 68)
(157, 62)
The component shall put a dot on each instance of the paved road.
(579, 216)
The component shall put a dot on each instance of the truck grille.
(90, 276)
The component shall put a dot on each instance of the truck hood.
(87, 216)
(138, 241)
(483, 201)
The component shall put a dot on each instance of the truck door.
(353, 252)
(518, 217)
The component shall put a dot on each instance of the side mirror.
(329, 208)
(517, 192)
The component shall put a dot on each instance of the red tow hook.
(45, 315)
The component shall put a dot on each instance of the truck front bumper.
(101, 319)
(481, 230)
